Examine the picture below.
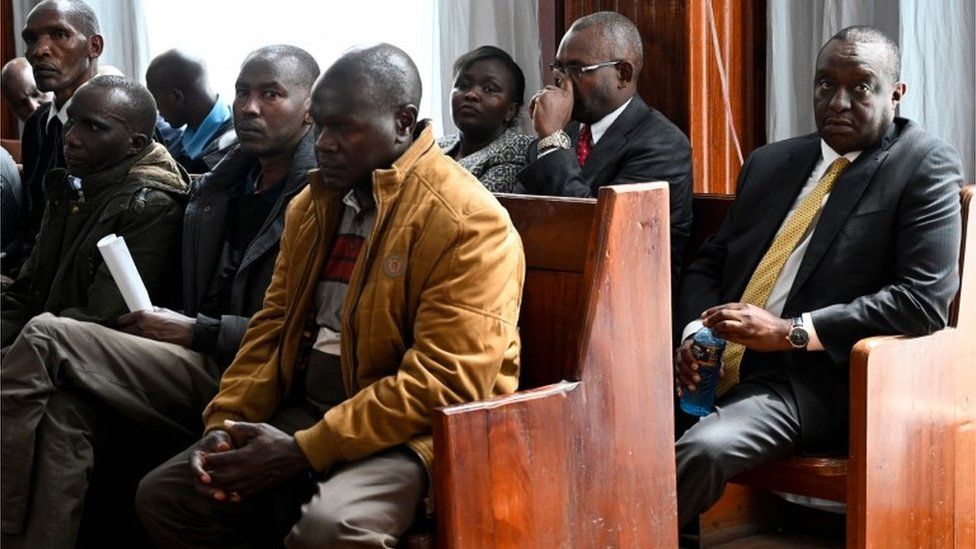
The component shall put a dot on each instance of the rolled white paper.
(124, 271)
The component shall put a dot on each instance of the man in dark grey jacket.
(63, 381)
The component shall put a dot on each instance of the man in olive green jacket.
(397, 290)
(118, 181)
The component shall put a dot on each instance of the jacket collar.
(387, 182)
(230, 173)
(611, 144)
(159, 167)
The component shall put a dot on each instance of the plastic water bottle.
(707, 349)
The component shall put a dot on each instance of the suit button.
(206, 208)
(75, 209)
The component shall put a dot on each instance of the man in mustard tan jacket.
(397, 290)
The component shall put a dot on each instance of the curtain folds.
(937, 50)
(512, 25)
(123, 24)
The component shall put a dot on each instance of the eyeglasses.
(576, 71)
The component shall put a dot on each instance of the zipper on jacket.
(292, 301)
(381, 220)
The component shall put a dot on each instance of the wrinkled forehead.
(51, 16)
(873, 57)
(270, 71)
(585, 46)
(344, 93)
(99, 103)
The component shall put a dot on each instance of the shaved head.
(862, 34)
(80, 14)
(384, 72)
(618, 34)
(19, 89)
(365, 106)
(176, 69)
(133, 102)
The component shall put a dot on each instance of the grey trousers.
(366, 503)
(60, 380)
(751, 424)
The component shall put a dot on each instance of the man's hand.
(214, 442)
(264, 459)
(686, 369)
(748, 325)
(161, 325)
(552, 107)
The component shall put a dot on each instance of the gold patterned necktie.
(764, 277)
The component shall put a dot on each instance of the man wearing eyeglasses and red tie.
(594, 129)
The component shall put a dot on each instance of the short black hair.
(620, 31)
(386, 73)
(308, 67)
(81, 14)
(500, 55)
(864, 34)
(139, 106)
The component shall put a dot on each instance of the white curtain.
(123, 24)
(512, 25)
(937, 49)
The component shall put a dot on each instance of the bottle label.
(706, 355)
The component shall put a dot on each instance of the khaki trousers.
(61, 383)
(365, 503)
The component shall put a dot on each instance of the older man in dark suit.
(595, 130)
(835, 236)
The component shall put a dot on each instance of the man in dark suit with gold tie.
(835, 236)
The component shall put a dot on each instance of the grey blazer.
(495, 165)
(883, 259)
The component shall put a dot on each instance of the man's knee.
(704, 449)
(326, 524)
(151, 496)
(45, 325)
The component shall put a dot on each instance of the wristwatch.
(558, 139)
(799, 337)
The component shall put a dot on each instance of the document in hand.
(124, 271)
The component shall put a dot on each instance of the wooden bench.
(582, 455)
(909, 479)
(13, 147)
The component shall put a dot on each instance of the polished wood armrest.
(908, 429)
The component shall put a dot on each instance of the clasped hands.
(244, 459)
(748, 325)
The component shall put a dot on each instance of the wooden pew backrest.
(586, 457)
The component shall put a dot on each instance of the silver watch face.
(559, 139)
(799, 337)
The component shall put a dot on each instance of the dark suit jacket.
(42, 152)
(640, 146)
(883, 259)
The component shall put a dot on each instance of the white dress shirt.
(598, 128)
(61, 114)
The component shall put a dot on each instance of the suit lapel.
(777, 196)
(844, 197)
(612, 143)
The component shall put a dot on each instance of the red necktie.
(584, 144)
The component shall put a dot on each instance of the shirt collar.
(194, 141)
(61, 113)
(600, 127)
(829, 154)
(359, 200)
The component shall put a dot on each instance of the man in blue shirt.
(183, 96)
